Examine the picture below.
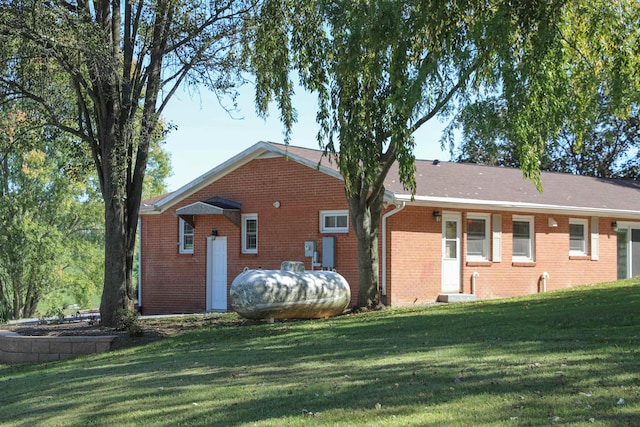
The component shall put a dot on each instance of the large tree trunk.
(117, 291)
(365, 214)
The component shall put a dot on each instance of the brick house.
(470, 231)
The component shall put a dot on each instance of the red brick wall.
(414, 258)
(174, 282)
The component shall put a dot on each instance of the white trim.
(496, 249)
(336, 213)
(585, 230)
(456, 202)
(245, 218)
(181, 246)
(485, 248)
(595, 238)
(261, 149)
(532, 238)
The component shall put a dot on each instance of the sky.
(207, 135)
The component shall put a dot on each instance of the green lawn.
(564, 358)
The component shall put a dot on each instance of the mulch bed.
(152, 329)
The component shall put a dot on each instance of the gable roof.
(306, 156)
(447, 184)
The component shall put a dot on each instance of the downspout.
(543, 279)
(397, 209)
(474, 276)
(139, 265)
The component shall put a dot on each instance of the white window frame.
(585, 243)
(485, 246)
(245, 219)
(182, 247)
(532, 238)
(335, 213)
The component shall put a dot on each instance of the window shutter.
(497, 238)
(595, 238)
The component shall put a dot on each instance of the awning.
(212, 206)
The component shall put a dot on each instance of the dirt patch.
(152, 329)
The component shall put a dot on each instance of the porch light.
(437, 215)
(614, 225)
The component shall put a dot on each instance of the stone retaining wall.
(15, 348)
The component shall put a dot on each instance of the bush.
(127, 320)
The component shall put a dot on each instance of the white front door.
(217, 274)
(451, 235)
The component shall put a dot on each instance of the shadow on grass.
(570, 354)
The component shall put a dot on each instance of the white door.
(628, 251)
(451, 235)
(216, 274)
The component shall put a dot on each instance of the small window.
(523, 239)
(250, 233)
(578, 237)
(334, 221)
(186, 237)
(477, 237)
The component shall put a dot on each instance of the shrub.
(127, 320)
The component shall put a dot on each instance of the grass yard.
(564, 358)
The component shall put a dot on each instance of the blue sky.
(207, 135)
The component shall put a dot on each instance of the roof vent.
(436, 162)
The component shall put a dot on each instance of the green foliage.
(563, 358)
(115, 66)
(128, 320)
(573, 109)
(381, 69)
(39, 210)
(55, 311)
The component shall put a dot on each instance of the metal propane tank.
(289, 293)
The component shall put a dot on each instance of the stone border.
(15, 348)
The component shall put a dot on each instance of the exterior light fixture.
(276, 204)
(614, 225)
(437, 215)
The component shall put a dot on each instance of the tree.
(119, 60)
(383, 68)
(39, 205)
(610, 150)
(592, 89)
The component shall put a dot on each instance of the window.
(523, 237)
(250, 233)
(478, 237)
(186, 237)
(334, 221)
(578, 237)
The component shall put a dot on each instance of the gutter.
(455, 202)
(397, 209)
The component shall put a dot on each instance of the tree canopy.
(119, 63)
(383, 68)
(586, 97)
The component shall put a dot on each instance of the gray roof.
(472, 182)
(445, 184)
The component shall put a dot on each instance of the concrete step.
(450, 298)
